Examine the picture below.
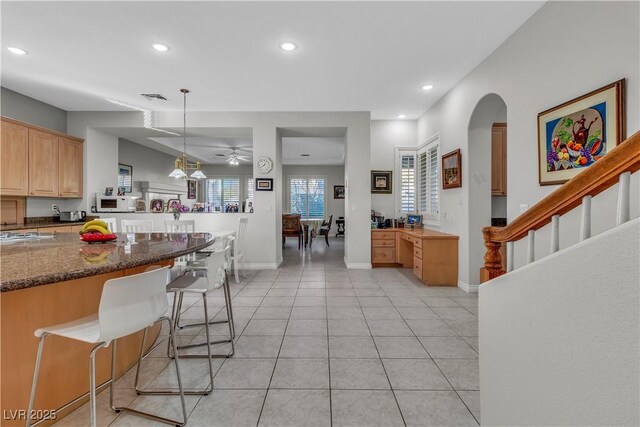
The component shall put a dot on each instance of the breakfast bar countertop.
(63, 257)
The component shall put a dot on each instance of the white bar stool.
(237, 254)
(216, 277)
(127, 305)
(111, 223)
(137, 226)
(181, 226)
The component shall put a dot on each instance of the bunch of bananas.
(95, 226)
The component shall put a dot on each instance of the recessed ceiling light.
(305, 155)
(402, 116)
(16, 50)
(160, 47)
(427, 87)
(288, 46)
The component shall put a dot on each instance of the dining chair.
(111, 224)
(179, 226)
(137, 226)
(325, 228)
(237, 252)
(292, 227)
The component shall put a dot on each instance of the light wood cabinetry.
(499, 159)
(70, 167)
(38, 162)
(14, 171)
(43, 164)
(432, 255)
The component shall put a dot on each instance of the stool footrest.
(150, 416)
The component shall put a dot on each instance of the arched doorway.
(490, 110)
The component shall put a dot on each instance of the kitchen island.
(59, 279)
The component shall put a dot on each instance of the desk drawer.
(414, 240)
(379, 235)
(383, 255)
(383, 243)
(417, 252)
(417, 267)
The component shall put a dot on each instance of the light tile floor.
(318, 344)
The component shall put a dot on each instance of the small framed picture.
(452, 170)
(157, 205)
(248, 206)
(125, 177)
(191, 189)
(338, 191)
(264, 184)
(173, 204)
(381, 182)
(108, 191)
(121, 191)
(414, 220)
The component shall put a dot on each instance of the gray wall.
(23, 108)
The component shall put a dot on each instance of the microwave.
(115, 203)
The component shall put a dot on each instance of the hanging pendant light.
(182, 164)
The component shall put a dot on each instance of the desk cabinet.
(432, 255)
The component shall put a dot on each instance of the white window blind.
(408, 183)
(222, 192)
(429, 190)
(307, 197)
(250, 187)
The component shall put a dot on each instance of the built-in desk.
(432, 255)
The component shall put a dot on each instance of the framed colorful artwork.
(191, 189)
(157, 205)
(452, 170)
(381, 182)
(264, 184)
(574, 135)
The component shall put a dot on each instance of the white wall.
(20, 107)
(535, 69)
(559, 338)
(386, 136)
(101, 156)
(334, 176)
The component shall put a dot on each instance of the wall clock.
(264, 165)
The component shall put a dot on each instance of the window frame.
(307, 177)
(430, 219)
(401, 152)
(241, 190)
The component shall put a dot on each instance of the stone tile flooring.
(318, 344)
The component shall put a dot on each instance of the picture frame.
(414, 221)
(452, 170)
(125, 177)
(191, 189)
(338, 192)
(173, 204)
(381, 182)
(121, 191)
(108, 191)
(157, 205)
(575, 134)
(264, 184)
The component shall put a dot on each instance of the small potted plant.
(177, 209)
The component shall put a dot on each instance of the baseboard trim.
(358, 265)
(473, 289)
(260, 265)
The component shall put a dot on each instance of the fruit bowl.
(98, 237)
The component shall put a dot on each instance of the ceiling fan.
(234, 158)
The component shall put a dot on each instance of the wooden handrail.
(604, 173)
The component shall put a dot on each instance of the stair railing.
(616, 166)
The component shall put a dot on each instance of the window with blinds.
(407, 183)
(221, 193)
(428, 187)
(250, 187)
(307, 196)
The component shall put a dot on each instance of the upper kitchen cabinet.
(499, 159)
(43, 164)
(14, 156)
(69, 167)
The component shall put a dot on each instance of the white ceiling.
(352, 56)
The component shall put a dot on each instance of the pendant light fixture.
(182, 164)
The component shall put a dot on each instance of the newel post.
(492, 258)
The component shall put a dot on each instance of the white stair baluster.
(624, 196)
(509, 256)
(585, 221)
(531, 256)
(555, 233)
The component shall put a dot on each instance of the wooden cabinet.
(383, 247)
(43, 164)
(499, 159)
(38, 162)
(14, 148)
(69, 167)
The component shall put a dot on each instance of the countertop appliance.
(115, 203)
(70, 216)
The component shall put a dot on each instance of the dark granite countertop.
(42, 222)
(65, 257)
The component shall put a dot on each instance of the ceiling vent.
(152, 96)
